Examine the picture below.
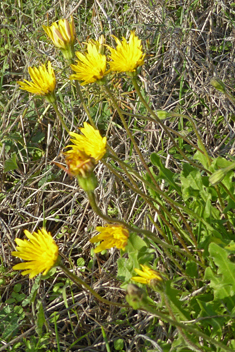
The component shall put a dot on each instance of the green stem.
(165, 317)
(112, 98)
(147, 118)
(182, 333)
(150, 201)
(137, 230)
(134, 81)
(174, 203)
(59, 116)
(80, 282)
(201, 144)
(79, 93)
(143, 161)
(156, 186)
(84, 104)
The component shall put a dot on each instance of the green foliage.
(119, 344)
(138, 253)
(181, 223)
(11, 319)
(11, 163)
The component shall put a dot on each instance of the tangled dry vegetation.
(187, 43)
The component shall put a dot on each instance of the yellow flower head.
(146, 275)
(79, 163)
(90, 67)
(127, 56)
(111, 236)
(43, 81)
(40, 252)
(62, 34)
(90, 143)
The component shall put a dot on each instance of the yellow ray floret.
(90, 142)
(146, 275)
(40, 252)
(111, 236)
(90, 67)
(62, 34)
(127, 56)
(43, 80)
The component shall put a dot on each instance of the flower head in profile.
(62, 34)
(146, 275)
(90, 67)
(43, 81)
(127, 56)
(110, 236)
(79, 163)
(89, 142)
(40, 252)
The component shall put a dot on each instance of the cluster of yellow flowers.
(91, 66)
(40, 250)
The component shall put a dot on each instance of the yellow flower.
(91, 142)
(43, 81)
(90, 67)
(111, 236)
(63, 36)
(127, 56)
(146, 275)
(79, 163)
(40, 252)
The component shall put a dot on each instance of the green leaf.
(211, 310)
(223, 281)
(164, 173)
(40, 319)
(80, 262)
(201, 158)
(11, 163)
(191, 181)
(176, 304)
(125, 269)
(17, 288)
(118, 344)
(135, 243)
(32, 295)
(191, 269)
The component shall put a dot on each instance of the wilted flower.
(111, 236)
(127, 56)
(40, 252)
(62, 36)
(90, 67)
(146, 275)
(91, 142)
(43, 81)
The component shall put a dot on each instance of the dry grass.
(187, 43)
